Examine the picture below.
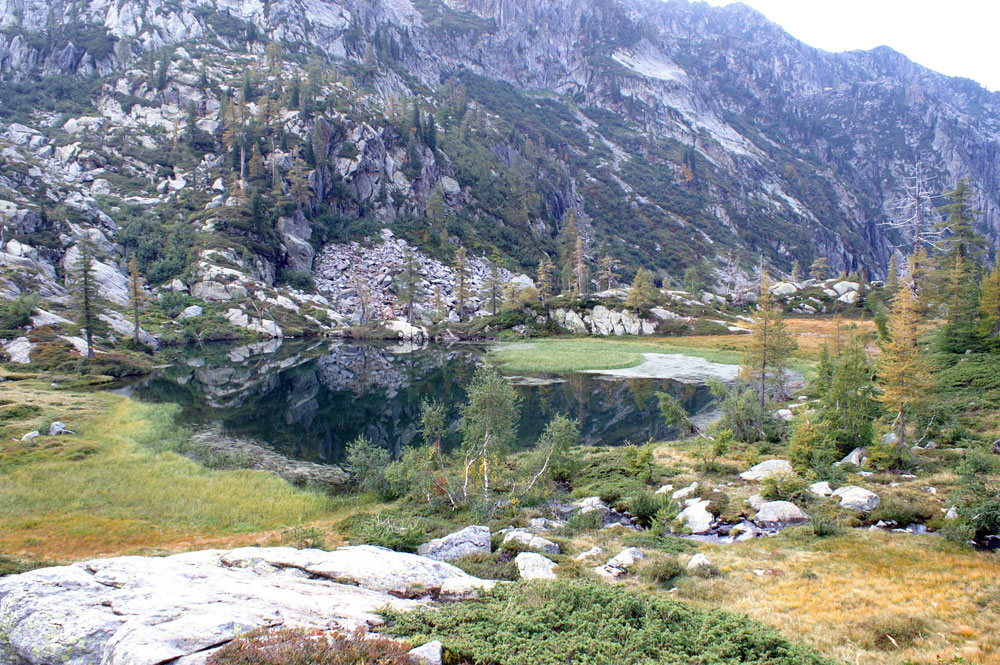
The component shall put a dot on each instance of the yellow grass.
(106, 490)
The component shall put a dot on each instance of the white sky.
(956, 37)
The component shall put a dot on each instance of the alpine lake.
(307, 399)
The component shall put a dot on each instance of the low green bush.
(903, 513)
(888, 631)
(785, 487)
(397, 533)
(496, 566)
(661, 571)
(583, 622)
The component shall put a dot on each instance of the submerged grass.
(116, 487)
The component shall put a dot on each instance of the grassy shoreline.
(116, 487)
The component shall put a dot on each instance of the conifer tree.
(692, 281)
(989, 308)
(461, 268)
(493, 286)
(545, 270)
(642, 292)
(892, 276)
(409, 282)
(848, 408)
(606, 271)
(581, 278)
(820, 268)
(770, 347)
(796, 272)
(86, 292)
(136, 296)
(566, 244)
(902, 374)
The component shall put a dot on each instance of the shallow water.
(308, 399)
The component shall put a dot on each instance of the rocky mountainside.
(225, 144)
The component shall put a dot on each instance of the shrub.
(743, 416)
(497, 566)
(888, 631)
(289, 646)
(824, 525)
(172, 303)
(580, 521)
(785, 487)
(644, 505)
(400, 534)
(16, 314)
(574, 622)
(303, 537)
(662, 571)
(903, 513)
(648, 540)
(884, 456)
(368, 462)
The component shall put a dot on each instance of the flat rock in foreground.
(150, 610)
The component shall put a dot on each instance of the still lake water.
(308, 399)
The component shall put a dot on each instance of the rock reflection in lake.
(309, 399)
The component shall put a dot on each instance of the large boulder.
(857, 499)
(531, 541)
(470, 540)
(533, 566)
(779, 513)
(152, 610)
(696, 516)
(772, 467)
(620, 564)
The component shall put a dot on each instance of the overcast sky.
(958, 37)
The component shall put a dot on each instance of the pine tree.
(959, 225)
(902, 374)
(493, 286)
(796, 272)
(461, 268)
(86, 292)
(409, 282)
(848, 409)
(960, 298)
(770, 347)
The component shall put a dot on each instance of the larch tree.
(989, 308)
(493, 286)
(820, 268)
(581, 277)
(902, 372)
(642, 291)
(771, 344)
(545, 270)
(606, 271)
(136, 296)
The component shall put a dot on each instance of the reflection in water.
(309, 399)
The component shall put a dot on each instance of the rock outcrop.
(470, 540)
(150, 610)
